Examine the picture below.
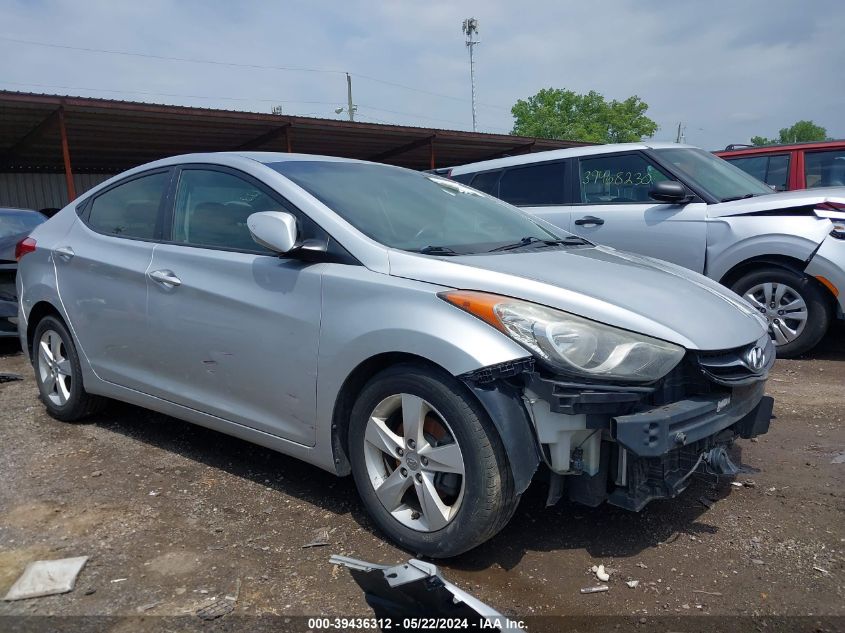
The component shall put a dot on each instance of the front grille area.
(736, 367)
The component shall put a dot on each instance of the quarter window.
(488, 182)
(131, 209)
(535, 185)
(624, 178)
(212, 208)
(825, 169)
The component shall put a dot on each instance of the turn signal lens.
(24, 247)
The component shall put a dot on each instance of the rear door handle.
(65, 252)
(588, 220)
(166, 278)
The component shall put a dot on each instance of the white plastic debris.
(737, 484)
(599, 589)
(46, 577)
(633, 584)
(601, 574)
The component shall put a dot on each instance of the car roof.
(776, 149)
(569, 152)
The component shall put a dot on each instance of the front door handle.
(166, 278)
(65, 253)
(589, 220)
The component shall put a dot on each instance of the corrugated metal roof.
(106, 135)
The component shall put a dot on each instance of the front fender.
(367, 314)
(733, 240)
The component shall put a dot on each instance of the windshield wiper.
(743, 197)
(525, 241)
(436, 250)
(536, 242)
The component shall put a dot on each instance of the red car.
(788, 167)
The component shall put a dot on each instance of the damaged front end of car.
(628, 444)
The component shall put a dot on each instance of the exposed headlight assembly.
(570, 343)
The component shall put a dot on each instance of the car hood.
(621, 289)
(775, 201)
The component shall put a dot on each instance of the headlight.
(571, 343)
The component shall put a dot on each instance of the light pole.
(470, 29)
(350, 108)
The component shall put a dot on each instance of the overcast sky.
(726, 70)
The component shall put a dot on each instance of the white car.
(783, 252)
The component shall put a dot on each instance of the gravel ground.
(173, 515)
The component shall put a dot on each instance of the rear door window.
(130, 209)
(617, 179)
(825, 169)
(534, 185)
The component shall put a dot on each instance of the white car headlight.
(571, 343)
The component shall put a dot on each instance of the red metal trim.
(71, 188)
(796, 171)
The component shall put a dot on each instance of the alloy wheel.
(54, 368)
(783, 307)
(414, 462)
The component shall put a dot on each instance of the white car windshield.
(715, 176)
(414, 211)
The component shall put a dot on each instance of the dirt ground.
(173, 516)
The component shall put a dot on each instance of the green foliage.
(800, 132)
(564, 114)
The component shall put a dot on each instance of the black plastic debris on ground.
(417, 590)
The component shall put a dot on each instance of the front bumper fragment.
(656, 431)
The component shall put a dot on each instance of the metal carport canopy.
(40, 132)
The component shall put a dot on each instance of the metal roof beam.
(265, 138)
(407, 147)
(31, 136)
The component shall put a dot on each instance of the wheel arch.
(780, 261)
(40, 310)
(500, 401)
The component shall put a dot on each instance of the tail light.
(24, 247)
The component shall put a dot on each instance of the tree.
(564, 114)
(800, 132)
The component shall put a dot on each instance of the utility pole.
(470, 28)
(349, 107)
(680, 137)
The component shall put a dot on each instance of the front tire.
(428, 463)
(58, 373)
(795, 305)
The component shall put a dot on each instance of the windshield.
(715, 176)
(14, 222)
(413, 211)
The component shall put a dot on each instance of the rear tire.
(58, 373)
(796, 306)
(472, 506)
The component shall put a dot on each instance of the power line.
(238, 65)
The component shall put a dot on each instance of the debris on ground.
(222, 606)
(416, 589)
(9, 377)
(838, 459)
(600, 573)
(321, 538)
(633, 584)
(821, 570)
(708, 593)
(737, 484)
(46, 578)
(707, 503)
(599, 589)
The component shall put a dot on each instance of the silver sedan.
(436, 343)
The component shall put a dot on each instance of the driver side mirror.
(275, 230)
(669, 191)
